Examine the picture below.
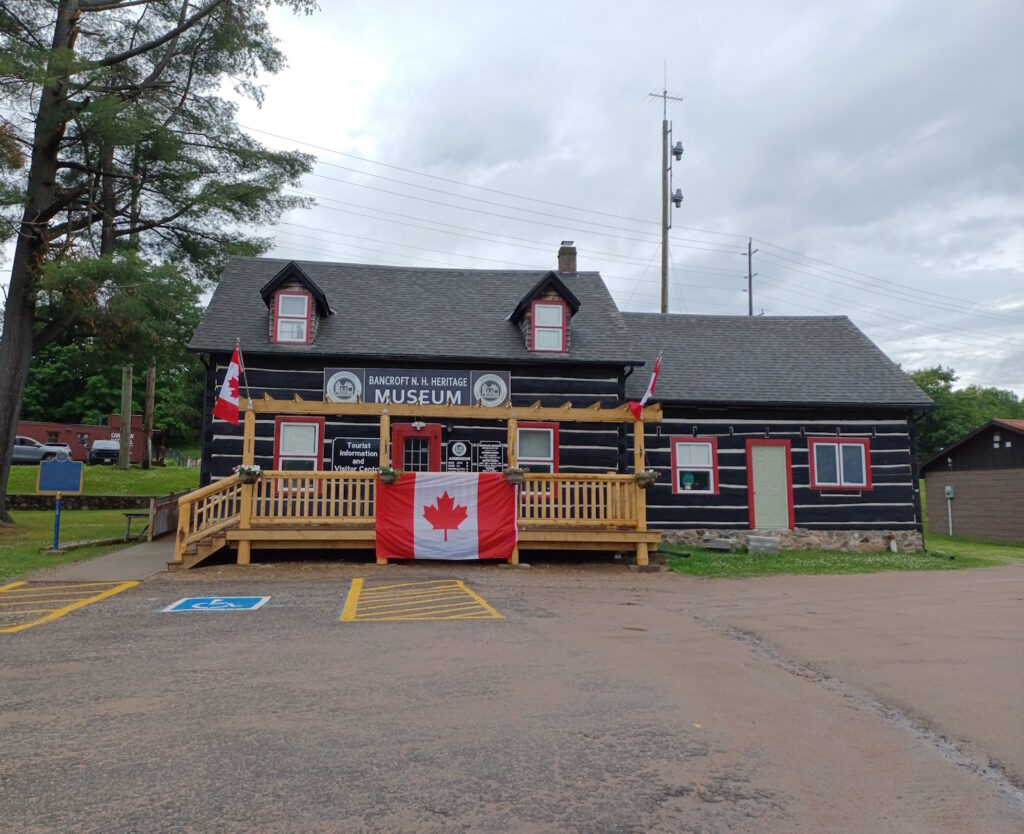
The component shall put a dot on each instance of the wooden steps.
(195, 553)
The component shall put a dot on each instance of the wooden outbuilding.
(975, 487)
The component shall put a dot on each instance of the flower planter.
(388, 477)
(645, 483)
(515, 478)
(248, 477)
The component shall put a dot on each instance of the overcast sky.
(873, 150)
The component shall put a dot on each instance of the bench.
(130, 516)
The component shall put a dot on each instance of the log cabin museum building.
(796, 427)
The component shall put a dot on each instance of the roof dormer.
(544, 313)
(296, 305)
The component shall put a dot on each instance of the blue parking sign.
(216, 604)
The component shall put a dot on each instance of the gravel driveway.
(601, 701)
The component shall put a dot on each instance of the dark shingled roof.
(780, 360)
(405, 312)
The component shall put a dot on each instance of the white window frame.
(550, 328)
(550, 461)
(712, 468)
(316, 455)
(836, 443)
(284, 318)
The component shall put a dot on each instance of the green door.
(771, 493)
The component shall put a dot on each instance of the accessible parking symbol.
(216, 604)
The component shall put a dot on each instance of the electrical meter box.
(949, 492)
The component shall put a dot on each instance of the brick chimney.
(567, 257)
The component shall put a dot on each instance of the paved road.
(603, 701)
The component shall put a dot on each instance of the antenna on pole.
(666, 180)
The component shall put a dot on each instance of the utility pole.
(666, 183)
(750, 276)
(124, 458)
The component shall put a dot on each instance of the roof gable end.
(293, 272)
(551, 281)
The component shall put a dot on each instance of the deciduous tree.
(957, 412)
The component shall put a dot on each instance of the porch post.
(513, 460)
(641, 496)
(385, 437)
(245, 511)
(385, 460)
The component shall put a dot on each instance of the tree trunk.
(147, 417)
(31, 249)
(124, 459)
(15, 356)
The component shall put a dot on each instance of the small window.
(53, 437)
(549, 326)
(695, 465)
(82, 438)
(538, 447)
(298, 443)
(839, 464)
(292, 321)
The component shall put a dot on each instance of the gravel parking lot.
(601, 701)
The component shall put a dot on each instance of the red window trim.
(533, 324)
(713, 441)
(840, 441)
(400, 431)
(554, 441)
(278, 422)
(277, 316)
(751, 443)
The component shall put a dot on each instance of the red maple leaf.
(233, 387)
(446, 515)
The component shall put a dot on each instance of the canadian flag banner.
(446, 515)
(226, 406)
(638, 407)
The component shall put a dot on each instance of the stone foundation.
(849, 541)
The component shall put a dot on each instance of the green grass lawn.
(943, 553)
(20, 543)
(109, 480)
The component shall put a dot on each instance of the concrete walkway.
(136, 562)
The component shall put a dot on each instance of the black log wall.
(892, 503)
(583, 447)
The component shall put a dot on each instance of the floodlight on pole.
(668, 196)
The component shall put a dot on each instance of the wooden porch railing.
(207, 511)
(283, 498)
(339, 500)
(604, 501)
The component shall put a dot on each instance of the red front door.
(416, 449)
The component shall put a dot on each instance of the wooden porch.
(336, 510)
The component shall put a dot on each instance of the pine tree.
(120, 161)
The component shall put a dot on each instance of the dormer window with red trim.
(548, 320)
(292, 317)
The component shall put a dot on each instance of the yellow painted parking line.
(24, 592)
(444, 599)
(352, 600)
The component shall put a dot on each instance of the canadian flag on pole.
(446, 515)
(638, 407)
(226, 407)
